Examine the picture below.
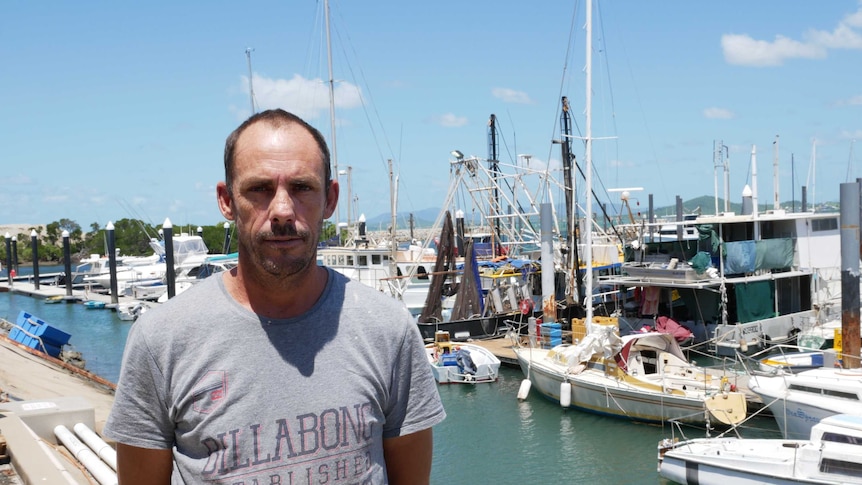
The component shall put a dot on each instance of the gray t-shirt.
(243, 399)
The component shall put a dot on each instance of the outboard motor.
(465, 362)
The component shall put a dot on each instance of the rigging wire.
(370, 111)
(664, 190)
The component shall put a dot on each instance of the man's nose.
(282, 206)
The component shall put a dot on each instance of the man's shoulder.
(365, 296)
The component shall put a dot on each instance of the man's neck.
(271, 297)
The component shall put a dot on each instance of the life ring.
(526, 306)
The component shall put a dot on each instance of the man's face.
(279, 198)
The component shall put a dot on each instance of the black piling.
(34, 247)
(67, 262)
(112, 261)
(170, 274)
(850, 275)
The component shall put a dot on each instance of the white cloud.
(18, 180)
(450, 120)
(511, 96)
(851, 101)
(56, 198)
(717, 114)
(307, 98)
(850, 135)
(746, 51)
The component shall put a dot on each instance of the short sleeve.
(139, 416)
(414, 401)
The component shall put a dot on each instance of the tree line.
(131, 237)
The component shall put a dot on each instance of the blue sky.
(110, 110)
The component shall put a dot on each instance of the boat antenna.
(331, 106)
(776, 203)
(248, 51)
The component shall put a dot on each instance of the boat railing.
(42, 347)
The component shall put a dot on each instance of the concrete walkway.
(25, 376)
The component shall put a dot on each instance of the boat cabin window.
(649, 359)
(841, 467)
(421, 273)
(349, 260)
(829, 224)
(340, 260)
(375, 259)
(841, 438)
(363, 260)
(825, 392)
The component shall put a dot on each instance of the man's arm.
(143, 466)
(408, 458)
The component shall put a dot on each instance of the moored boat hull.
(614, 398)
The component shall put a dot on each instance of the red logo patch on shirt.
(210, 391)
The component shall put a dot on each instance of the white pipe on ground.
(100, 471)
(97, 444)
(51, 456)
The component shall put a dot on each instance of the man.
(279, 371)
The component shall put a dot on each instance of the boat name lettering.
(752, 328)
(801, 414)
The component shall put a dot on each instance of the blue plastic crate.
(449, 359)
(43, 330)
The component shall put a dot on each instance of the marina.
(575, 336)
(545, 442)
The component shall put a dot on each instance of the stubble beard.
(284, 264)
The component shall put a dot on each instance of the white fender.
(565, 394)
(524, 390)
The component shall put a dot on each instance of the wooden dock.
(502, 348)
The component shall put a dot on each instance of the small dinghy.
(94, 304)
(460, 362)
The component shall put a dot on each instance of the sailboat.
(641, 377)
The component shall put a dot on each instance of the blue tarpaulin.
(739, 257)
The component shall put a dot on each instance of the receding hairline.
(281, 125)
(276, 120)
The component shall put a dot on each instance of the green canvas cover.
(774, 254)
(705, 232)
(755, 301)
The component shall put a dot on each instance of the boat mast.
(588, 188)
(332, 110)
(569, 177)
(494, 167)
(248, 51)
(393, 245)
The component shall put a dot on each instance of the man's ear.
(225, 202)
(331, 199)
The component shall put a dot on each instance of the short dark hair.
(276, 118)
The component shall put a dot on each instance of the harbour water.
(489, 436)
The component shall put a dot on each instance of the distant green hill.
(704, 205)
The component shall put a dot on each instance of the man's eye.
(259, 188)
